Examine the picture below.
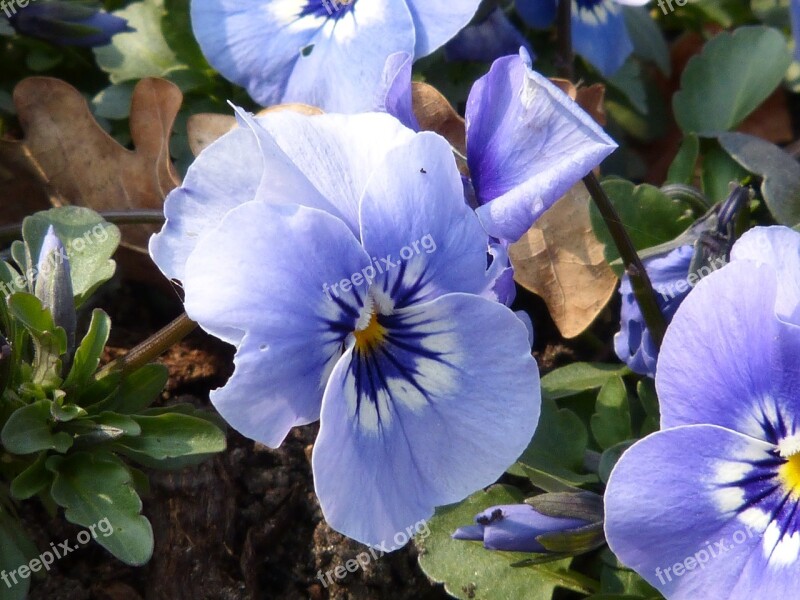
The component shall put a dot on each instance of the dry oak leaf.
(560, 260)
(435, 113)
(80, 163)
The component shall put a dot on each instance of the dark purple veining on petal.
(327, 9)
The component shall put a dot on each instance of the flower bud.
(568, 523)
(54, 284)
(65, 23)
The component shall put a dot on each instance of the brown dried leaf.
(206, 128)
(76, 162)
(435, 113)
(560, 259)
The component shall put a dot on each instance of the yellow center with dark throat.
(367, 339)
(790, 475)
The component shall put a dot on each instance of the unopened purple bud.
(54, 284)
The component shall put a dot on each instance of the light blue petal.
(417, 227)
(427, 427)
(721, 339)
(342, 66)
(243, 165)
(396, 90)
(225, 175)
(270, 271)
(669, 502)
(780, 248)
(527, 144)
(600, 36)
(437, 21)
(336, 153)
(500, 276)
(633, 343)
(281, 54)
(253, 43)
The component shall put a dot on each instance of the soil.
(245, 525)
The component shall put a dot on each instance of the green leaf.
(141, 53)
(28, 310)
(141, 388)
(611, 422)
(649, 216)
(552, 480)
(647, 37)
(579, 377)
(610, 457)
(19, 253)
(28, 430)
(730, 78)
(15, 550)
(66, 412)
(98, 395)
(114, 102)
(470, 571)
(628, 80)
(98, 486)
(90, 242)
(7, 276)
(88, 354)
(646, 390)
(781, 173)
(177, 28)
(616, 579)
(560, 440)
(104, 427)
(774, 13)
(32, 480)
(719, 170)
(682, 168)
(50, 342)
(172, 440)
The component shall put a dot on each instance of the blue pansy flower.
(486, 40)
(515, 528)
(65, 23)
(599, 33)
(711, 504)
(527, 141)
(669, 275)
(327, 53)
(314, 246)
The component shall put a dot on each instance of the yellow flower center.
(790, 475)
(368, 338)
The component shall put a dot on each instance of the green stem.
(141, 216)
(688, 194)
(566, 59)
(640, 280)
(153, 347)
